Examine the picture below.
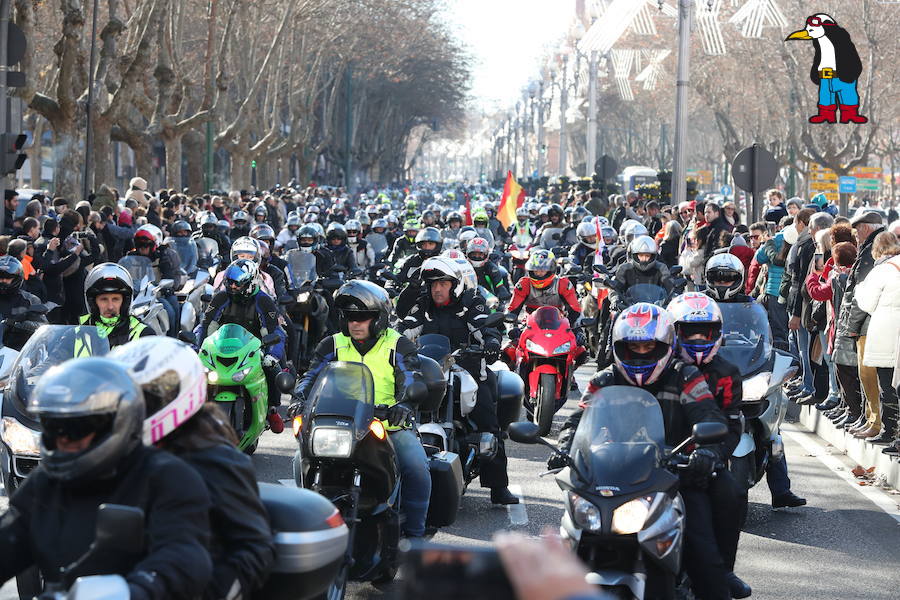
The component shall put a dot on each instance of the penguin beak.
(799, 35)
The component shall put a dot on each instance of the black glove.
(579, 338)
(556, 461)
(514, 333)
(491, 350)
(297, 407)
(399, 413)
(701, 465)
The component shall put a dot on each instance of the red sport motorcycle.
(546, 357)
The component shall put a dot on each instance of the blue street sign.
(725, 190)
(847, 185)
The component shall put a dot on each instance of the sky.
(507, 40)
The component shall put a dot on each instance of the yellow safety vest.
(135, 327)
(378, 359)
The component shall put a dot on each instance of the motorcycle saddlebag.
(310, 542)
(511, 390)
(434, 381)
(446, 488)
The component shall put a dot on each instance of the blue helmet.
(643, 322)
(696, 313)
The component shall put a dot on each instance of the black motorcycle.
(308, 310)
(624, 515)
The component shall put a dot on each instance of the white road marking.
(288, 482)
(518, 515)
(871, 493)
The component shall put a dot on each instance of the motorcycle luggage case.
(434, 381)
(310, 542)
(446, 488)
(511, 390)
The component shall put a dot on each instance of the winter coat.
(768, 254)
(879, 296)
(852, 321)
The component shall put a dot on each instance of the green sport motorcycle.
(236, 380)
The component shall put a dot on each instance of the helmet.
(365, 300)
(585, 231)
(240, 278)
(465, 235)
(555, 210)
(411, 225)
(442, 268)
(353, 228)
(208, 218)
(429, 234)
(604, 222)
(10, 267)
(454, 216)
(522, 213)
(643, 322)
(411, 203)
(372, 211)
(108, 278)
(477, 251)
(643, 245)
(240, 216)
(171, 378)
(336, 231)
(693, 313)
(293, 222)
(480, 216)
(541, 260)
(364, 219)
(544, 211)
(308, 238)
(626, 225)
(223, 225)
(428, 214)
(264, 232)
(379, 224)
(533, 208)
(181, 229)
(578, 214)
(313, 209)
(86, 396)
(393, 221)
(148, 236)
(245, 245)
(260, 211)
(727, 271)
(634, 230)
(609, 235)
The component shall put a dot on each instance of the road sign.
(725, 190)
(754, 169)
(847, 185)
(701, 176)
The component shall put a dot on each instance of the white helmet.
(171, 377)
(456, 270)
(586, 230)
(642, 245)
(464, 237)
(633, 230)
(727, 270)
(245, 245)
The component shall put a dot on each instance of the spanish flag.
(513, 198)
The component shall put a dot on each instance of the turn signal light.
(377, 427)
(297, 425)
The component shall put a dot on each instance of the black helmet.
(11, 268)
(108, 278)
(366, 300)
(336, 231)
(181, 229)
(555, 209)
(308, 231)
(264, 232)
(84, 396)
(429, 234)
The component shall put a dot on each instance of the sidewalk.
(860, 452)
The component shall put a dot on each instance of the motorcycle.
(545, 353)
(747, 344)
(236, 379)
(146, 304)
(345, 453)
(309, 534)
(309, 312)
(194, 296)
(519, 251)
(624, 516)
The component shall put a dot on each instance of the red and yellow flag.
(513, 198)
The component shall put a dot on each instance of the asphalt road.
(840, 546)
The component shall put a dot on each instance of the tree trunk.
(68, 162)
(195, 146)
(103, 163)
(173, 161)
(35, 152)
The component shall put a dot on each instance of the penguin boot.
(827, 114)
(849, 115)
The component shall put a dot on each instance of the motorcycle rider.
(92, 416)
(209, 228)
(173, 381)
(549, 235)
(336, 244)
(287, 237)
(644, 356)
(405, 245)
(542, 287)
(243, 303)
(240, 225)
(482, 222)
(569, 234)
(629, 230)
(454, 223)
(489, 275)
(698, 331)
(642, 267)
(148, 243)
(108, 291)
(362, 252)
(452, 308)
(584, 251)
(522, 226)
(364, 310)
(12, 296)
(409, 281)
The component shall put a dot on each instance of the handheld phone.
(820, 261)
(441, 572)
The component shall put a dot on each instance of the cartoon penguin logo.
(835, 69)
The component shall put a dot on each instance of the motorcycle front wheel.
(545, 404)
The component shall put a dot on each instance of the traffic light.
(11, 160)
(252, 164)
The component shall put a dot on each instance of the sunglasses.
(360, 316)
(75, 428)
(686, 212)
(817, 22)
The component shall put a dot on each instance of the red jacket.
(567, 298)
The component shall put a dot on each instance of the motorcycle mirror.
(284, 382)
(120, 528)
(675, 270)
(493, 320)
(524, 432)
(416, 392)
(270, 339)
(188, 337)
(709, 433)
(509, 318)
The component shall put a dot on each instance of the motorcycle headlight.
(302, 297)
(534, 347)
(20, 439)
(239, 376)
(631, 516)
(585, 514)
(756, 387)
(212, 377)
(331, 442)
(562, 348)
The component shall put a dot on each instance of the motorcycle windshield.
(620, 438)
(141, 270)
(547, 318)
(551, 238)
(646, 292)
(522, 240)
(434, 345)
(51, 345)
(746, 335)
(207, 252)
(186, 249)
(344, 389)
(302, 267)
(377, 241)
(229, 339)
